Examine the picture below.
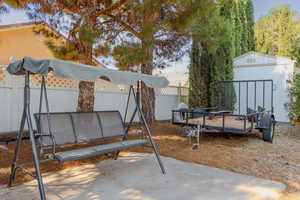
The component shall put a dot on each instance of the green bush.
(294, 93)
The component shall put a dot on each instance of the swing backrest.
(78, 127)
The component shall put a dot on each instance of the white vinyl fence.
(63, 93)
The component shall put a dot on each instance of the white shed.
(254, 66)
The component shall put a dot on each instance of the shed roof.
(260, 59)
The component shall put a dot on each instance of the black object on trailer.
(59, 129)
(243, 107)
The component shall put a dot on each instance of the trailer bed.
(229, 122)
(222, 122)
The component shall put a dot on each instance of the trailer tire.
(268, 133)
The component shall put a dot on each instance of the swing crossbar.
(70, 128)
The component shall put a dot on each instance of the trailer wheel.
(268, 133)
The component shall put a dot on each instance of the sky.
(261, 8)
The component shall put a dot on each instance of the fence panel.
(63, 95)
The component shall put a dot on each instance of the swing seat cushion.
(78, 154)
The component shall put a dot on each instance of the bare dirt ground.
(246, 154)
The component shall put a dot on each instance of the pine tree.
(158, 29)
(154, 32)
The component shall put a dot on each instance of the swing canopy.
(82, 72)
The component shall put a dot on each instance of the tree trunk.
(86, 95)
(148, 94)
(148, 97)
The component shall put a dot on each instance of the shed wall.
(280, 74)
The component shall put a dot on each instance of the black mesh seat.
(61, 129)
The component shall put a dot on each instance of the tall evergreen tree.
(208, 67)
(198, 90)
(236, 21)
(250, 25)
(243, 26)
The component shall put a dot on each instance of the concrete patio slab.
(138, 177)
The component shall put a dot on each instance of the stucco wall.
(22, 42)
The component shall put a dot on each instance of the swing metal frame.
(27, 119)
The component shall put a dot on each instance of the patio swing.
(59, 129)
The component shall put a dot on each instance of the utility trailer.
(244, 105)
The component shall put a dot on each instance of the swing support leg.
(141, 114)
(137, 110)
(17, 150)
(26, 117)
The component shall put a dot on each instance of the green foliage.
(88, 35)
(294, 105)
(81, 44)
(211, 29)
(158, 31)
(62, 51)
(276, 32)
(204, 73)
(250, 25)
(129, 56)
(242, 20)
(198, 79)
(212, 60)
(295, 51)
(237, 29)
